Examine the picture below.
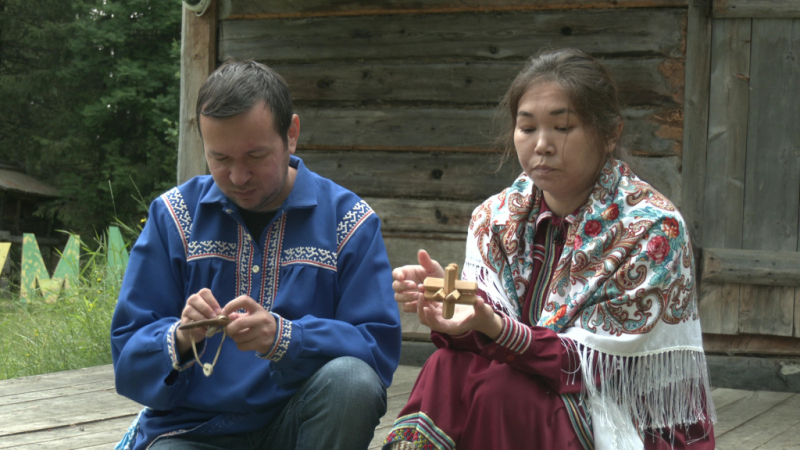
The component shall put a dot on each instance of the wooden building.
(396, 100)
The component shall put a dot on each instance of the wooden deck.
(81, 410)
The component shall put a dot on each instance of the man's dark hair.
(238, 85)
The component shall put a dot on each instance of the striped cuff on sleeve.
(514, 336)
(172, 347)
(283, 336)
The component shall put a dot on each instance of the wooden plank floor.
(80, 410)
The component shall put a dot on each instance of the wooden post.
(695, 122)
(198, 60)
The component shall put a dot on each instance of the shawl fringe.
(629, 394)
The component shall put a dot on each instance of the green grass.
(71, 333)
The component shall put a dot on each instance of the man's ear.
(293, 134)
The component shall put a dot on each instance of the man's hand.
(199, 306)
(253, 330)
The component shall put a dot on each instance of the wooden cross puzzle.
(450, 291)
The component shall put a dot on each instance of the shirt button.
(229, 211)
(511, 357)
(255, 269)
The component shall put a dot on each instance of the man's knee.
(352, 378)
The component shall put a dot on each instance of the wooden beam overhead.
(756, 9)
(198, 60)
(262, 9)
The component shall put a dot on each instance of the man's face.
(248, 159)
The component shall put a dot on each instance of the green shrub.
(71, 333)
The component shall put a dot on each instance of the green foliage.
(72, 333)
(89, 102)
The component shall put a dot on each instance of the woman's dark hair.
(587, 84)
(238, 85)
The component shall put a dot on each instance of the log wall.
(396, 98)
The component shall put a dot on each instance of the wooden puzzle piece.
(450, 291)
(214, 325)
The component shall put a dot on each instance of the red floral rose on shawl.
(592, 228)
(611, 213)
(658, 248)
(670, 227)
(578, 242)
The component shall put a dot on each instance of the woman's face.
(554, 147)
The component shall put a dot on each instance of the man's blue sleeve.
(366, 322)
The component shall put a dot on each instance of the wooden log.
(247, 9)
(426, 216)
(444, 248)
(468, 178)
(497, 36)
(642, 82)
(695, 112)
(462, 130)
(198, 60)
(750, 344)
(768, 268)
(434, 175)
(774, 9)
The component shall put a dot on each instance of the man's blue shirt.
(320, 267)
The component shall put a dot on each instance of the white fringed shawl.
(623, 291)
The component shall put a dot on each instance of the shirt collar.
(303, 195)
(545, 213)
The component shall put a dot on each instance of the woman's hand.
(407, 280)
(479, 317)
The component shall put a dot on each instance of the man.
(295, 261)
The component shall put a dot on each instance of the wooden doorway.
(741, 174)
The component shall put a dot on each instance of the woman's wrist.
(493, 328)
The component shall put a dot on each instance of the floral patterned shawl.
(623, 291)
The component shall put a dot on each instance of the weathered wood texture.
(260, 9)
(422, 216)
(759, 420)
(752, 180)
(772, 191)
(495, 36)
(775, 9)
(772, 203)
(656, 81)
(648, 131)
(74, 409)
(751, 267)
(397, 99)
(421, 175)
(748, 420)
(727, 133)
(198, 60)
(726, 149)
(751, 344)
(695, 112)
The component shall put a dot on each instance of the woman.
(585, 334)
